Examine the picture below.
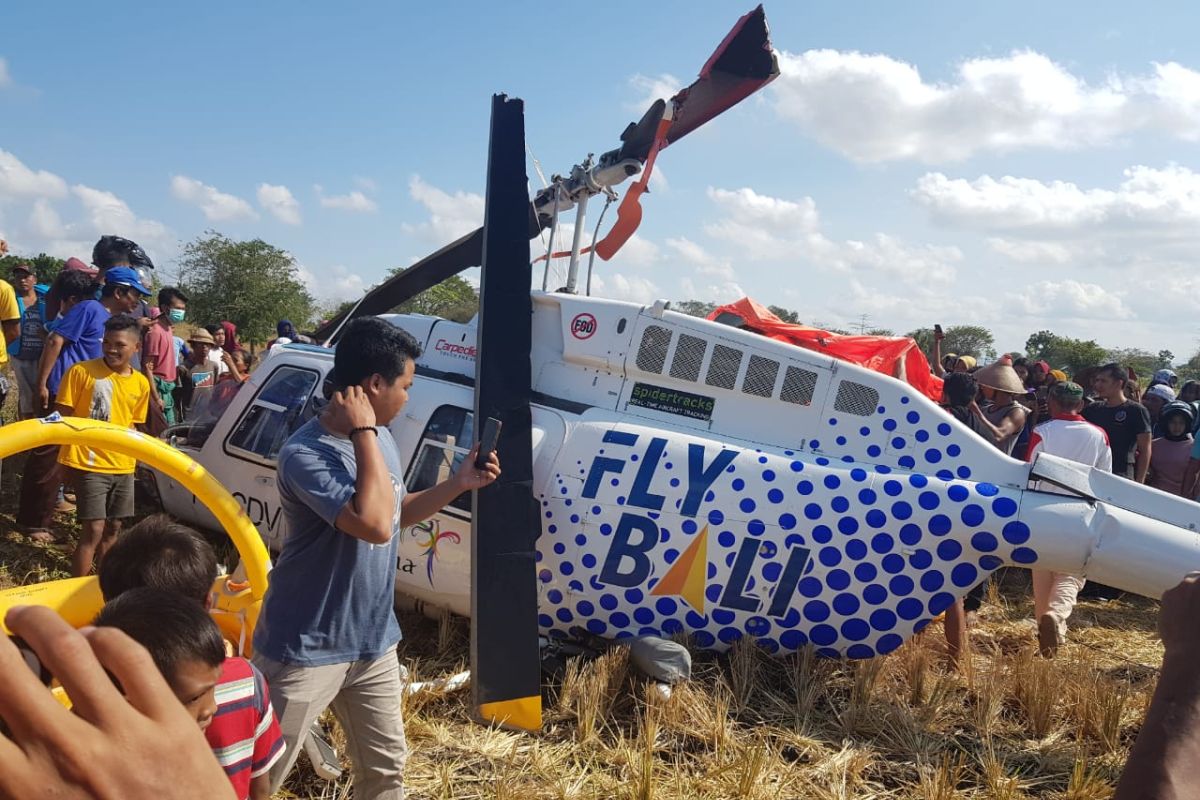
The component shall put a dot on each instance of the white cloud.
(1148, 200)
(450, 215)
(650, 88)
(1068, 298)
(19, 181)
(5, 76)
(618, 286)
(216, 205)
(365, 183)
(1033, 252)
(354, 201)
(44, 221)
(719, 293)
(704, 261)
(336, 283)
(637, 252)
(279, 202)
(876, 108)
(767, 228)
(107, 213)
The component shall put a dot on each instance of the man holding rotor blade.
(327, 634)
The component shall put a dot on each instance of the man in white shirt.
(1067, 435)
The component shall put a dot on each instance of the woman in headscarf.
(231, 345)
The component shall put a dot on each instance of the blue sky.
(1023, 166)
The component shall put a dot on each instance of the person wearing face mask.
(158, 351)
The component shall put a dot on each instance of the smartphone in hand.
(487, 441)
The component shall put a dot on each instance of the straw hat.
(1001, 376)
(201, 336)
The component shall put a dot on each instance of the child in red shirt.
(229, 696)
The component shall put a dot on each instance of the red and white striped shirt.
(244, 734)
(1072, 437)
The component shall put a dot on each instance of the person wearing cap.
(1155, 399)
(197, 371)
(27, 350)
(76, 337)
(1001, 416)
(158, 350)
(1172, 449)
(1067, 435)
(1165, 377)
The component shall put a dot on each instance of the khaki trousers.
(1054, 593)
(365, 696)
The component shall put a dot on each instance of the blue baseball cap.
(125, 276)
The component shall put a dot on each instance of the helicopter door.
(434, 561)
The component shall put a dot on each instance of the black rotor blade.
(461, 254)
(506, 519)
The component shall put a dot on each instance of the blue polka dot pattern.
(888, 547)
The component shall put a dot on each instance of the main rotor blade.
(505, 663)
(461, 254)
(742, 64)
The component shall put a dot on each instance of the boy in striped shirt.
(231, 699)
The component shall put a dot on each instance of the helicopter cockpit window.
(446, 440)
(281, 406)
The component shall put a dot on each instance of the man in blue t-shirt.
(327, 633)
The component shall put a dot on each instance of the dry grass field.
(1007, 725)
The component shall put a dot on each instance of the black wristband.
(360, 430)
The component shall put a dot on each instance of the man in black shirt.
(1127, 423)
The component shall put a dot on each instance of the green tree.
(1144, 363)
(963, 340)
(44, 266)
(252, 284)
(452, 299)
(696, 308)
(785, 314)
(1065, 352)
(1190, 369)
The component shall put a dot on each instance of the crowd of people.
(1104, 420)
(89, 345)
(327, 633)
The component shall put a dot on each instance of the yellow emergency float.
(78, 600)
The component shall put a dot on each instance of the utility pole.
(863, 321)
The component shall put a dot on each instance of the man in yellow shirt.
(105, 388)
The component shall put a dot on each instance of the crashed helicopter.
(671, 474)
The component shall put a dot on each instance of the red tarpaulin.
(897, 356)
